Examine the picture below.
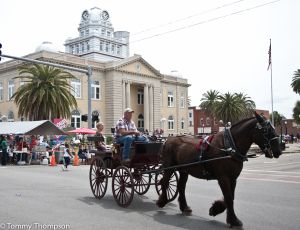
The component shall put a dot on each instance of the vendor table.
(22, 157)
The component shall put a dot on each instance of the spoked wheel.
(172, 190)
(141, 181)
(123, 186)
(98, 177)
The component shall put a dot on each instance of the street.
(45, 197)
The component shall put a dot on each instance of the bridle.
(266, 133)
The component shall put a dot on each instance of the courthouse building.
(118, 79)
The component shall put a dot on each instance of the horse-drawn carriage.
(134, 177)
(222, 161)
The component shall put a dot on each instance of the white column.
(146, 108)
(123, 96)
(151, 109)
(128, 95)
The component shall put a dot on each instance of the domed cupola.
(48, 46)
(175, 73)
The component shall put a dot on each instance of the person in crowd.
(82, 153)
(10, 150)
(67, 156)
(100, 146)
(44, 143)
(4, 150)
(31, 146)
(19, 145)
(292, 138)
(161, 131)
(9, 140)
(124, 131)
(298, 137)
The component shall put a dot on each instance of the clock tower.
(97, 39)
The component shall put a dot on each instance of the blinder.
(266, 133)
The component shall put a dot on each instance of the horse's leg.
(226, 187)
(163, 198)
(185, 209)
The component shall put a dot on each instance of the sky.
(215, 47)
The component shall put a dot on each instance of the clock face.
(85, 15)
(105, 15)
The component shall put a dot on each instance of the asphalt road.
(267, 197)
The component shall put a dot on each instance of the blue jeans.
(128, 141)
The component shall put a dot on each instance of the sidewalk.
(289, 148)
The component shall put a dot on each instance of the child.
(67, 156)
(10, 150)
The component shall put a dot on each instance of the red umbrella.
(82, 131)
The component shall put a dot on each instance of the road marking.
(249, 170)
(259, 166)
(269, 174)
(270, 180)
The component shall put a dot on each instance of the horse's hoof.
(159, 204)
(187, 211)
(237, 227)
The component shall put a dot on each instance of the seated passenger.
(98, 144)
(82, 154)
(124, 131)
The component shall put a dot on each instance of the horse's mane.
(242, 121)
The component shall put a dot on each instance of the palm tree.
(208, 103)
(229, 108)
(247, 103)
(296, 82)
(296, 112)
(277, 118)
(47, 94)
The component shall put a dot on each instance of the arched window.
(94, 122)
(10, 117)
(207, 121)
(140, 121)
(171, 122)
(76, 119)
(201, 121)
(182, 123)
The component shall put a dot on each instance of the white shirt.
(66, 154)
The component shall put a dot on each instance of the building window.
(201, 121)
(11, 88)
(87, 45)
(102, 31)
(112, 49)
(190, 114)
(101, 46)
(94, 123)
(76, 119)
(76, 84)
(96, 90)
(182, 100)
(191, 123)
(72, 49)
(77, 48)
(161, 101)
(207, 121)
(22, 82)
(82, 47)
(118, 50)
(87, 32)
(182, 123)
(140, 96)
(1, 91)
(171, 123)
(82, 33)
(10, 117)
(140, 121)
(108, 34)
(216, 122)
(107, 47)
(170, 99)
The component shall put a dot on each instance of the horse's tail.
(161, 152)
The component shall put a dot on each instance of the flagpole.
(271, 85)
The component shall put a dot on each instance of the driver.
(124, 131)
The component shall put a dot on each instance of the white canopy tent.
(44, 127)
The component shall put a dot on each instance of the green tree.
(208, 103)
(228, 107)
(296, 112)
(296, 82)
(246, 103)
(277, 118)
(46, 94)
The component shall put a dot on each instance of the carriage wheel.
(172, 190)
(123, 186)
(141, 181)
(98, 177)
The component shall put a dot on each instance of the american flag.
(269, 57)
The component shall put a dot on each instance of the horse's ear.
(259, 118)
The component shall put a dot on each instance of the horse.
(234, 143)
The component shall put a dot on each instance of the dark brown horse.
(183, 150)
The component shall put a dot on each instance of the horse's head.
(266, 138)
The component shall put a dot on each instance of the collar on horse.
(266, 134)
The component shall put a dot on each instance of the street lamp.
(285, 127)
(203, 129)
